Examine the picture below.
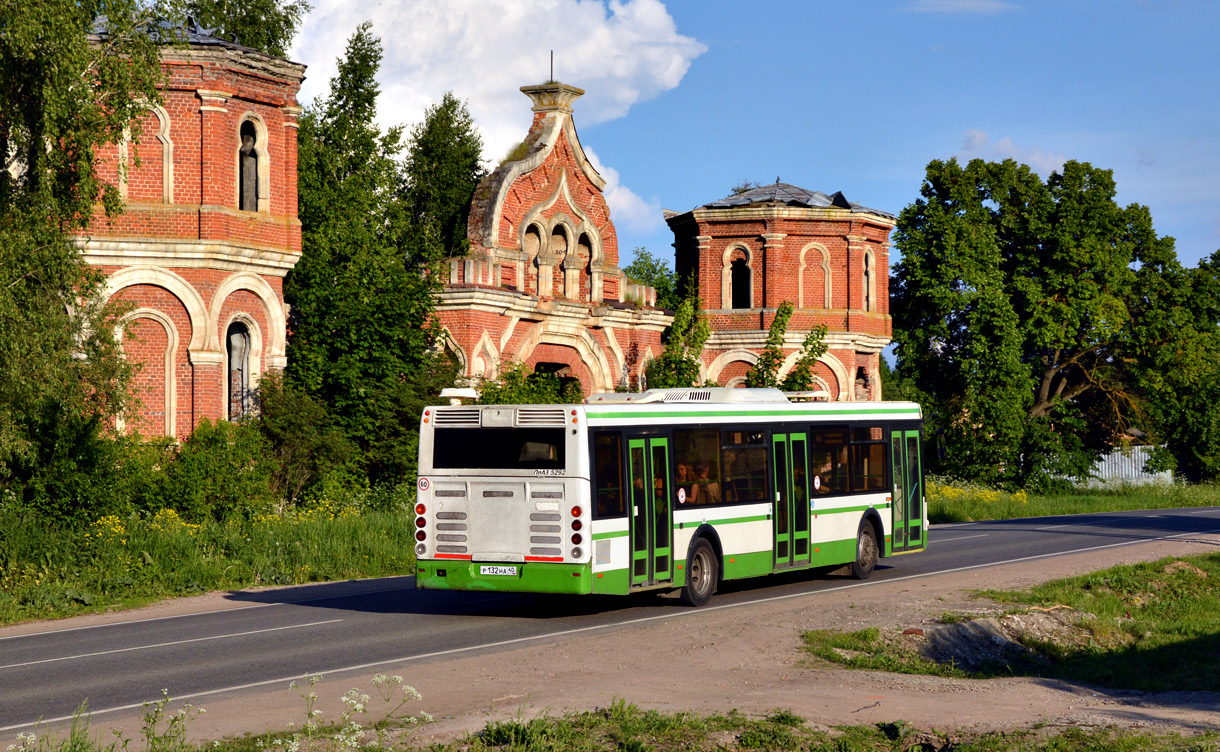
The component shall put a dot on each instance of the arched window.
(868, 281)
(531, 246)
(247, 180)
(740, 272)
(237, 345)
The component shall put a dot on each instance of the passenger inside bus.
(706, 490)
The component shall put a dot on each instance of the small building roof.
(786, 194)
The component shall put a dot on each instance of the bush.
(223, 470)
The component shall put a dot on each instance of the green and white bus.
(665, 489)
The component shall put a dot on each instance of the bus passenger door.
(651, 514)
(907, 475)
(791, 519)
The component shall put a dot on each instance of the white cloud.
(627, 209)
(960, 7)
(620, 52)
(976, 143)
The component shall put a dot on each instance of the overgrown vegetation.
(765, 373)
(956, 501)
(622, 727)
(123, 561)
(1152, 626)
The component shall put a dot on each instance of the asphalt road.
(290, 633)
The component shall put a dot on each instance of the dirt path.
(749, 658)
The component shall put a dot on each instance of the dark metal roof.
(190, 32)
(785, 194)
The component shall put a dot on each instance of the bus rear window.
(498, 448)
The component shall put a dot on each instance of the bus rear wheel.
(866, 552)
(702, 574)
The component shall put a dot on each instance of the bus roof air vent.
(670, 396)
(540, 416)
(457, 416)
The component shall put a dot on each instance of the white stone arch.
(726, 275)
(577, 338)
(262, 148)
(731, 356)
(167, 153)
(445, 342)
(840, 374)
(276, 321)
(869, 281)
(171, 357)
(256, 354)
(486, 361)
(157, 276)
(822, 258)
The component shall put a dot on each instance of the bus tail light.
(420, 549)
(420, 508)
(576, 538)
(420, 535)
(576, 511)
(576, 552)
(420, 522)
(576, 524)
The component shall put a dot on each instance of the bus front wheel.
(866, 552)
(702, 574)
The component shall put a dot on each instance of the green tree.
(362, 298)
(765, 373)
(443, 167)
(302, 437)
(518, 385)
(75, 85)
(1016, 309)
(678, 364)
(655, 273)
(266, 25)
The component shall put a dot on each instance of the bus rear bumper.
(531, 577)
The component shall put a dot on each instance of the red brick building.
(541, 285)
(209, 232)
(827, 256)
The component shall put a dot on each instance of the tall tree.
(655, 273)
(362, 301)
(678, 365)
(1015, 306)
(443, 168)
(73, 82)
(765, 373)
(266, 25)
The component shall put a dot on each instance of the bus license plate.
(492, 569)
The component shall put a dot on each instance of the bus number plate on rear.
(493, 569)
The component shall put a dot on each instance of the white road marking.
(582, 630)
(1091, 522)
(962, 537)
(169, 644)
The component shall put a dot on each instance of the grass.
(50, 571)
(623, 727)
(1150, 627)
(950, 502)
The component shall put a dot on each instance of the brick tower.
(541, 284)
(209, 232)
(827, 256)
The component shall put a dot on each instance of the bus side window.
(867, 459)
(828, 460)
(608, 467)
(745, 467)
(697, 466)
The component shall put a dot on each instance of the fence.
(1125, 466)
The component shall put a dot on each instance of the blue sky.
(685, 99)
